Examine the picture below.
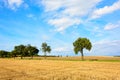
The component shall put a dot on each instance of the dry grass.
(78, 58)
(11, 69)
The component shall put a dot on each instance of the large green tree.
(32, 50)
(24, 50)
(14, 53)
(45, 48)
(20, 49)
(80, 44)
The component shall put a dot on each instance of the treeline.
(4, 54)
(22, 50)
(25, 51)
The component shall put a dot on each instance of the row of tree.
(22, 50)
(25, 51)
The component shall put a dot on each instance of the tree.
(32, 50)
(20, 49)
(45, 48)
(14, 53)
(80, 44)
(4, 53)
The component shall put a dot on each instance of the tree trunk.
(21, 57)
(14, 57)
(45, 55)
(82, 55)
(32, 57)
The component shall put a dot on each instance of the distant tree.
(80, 44)
(45, 48)
(32, 50)
(4, 53)
(48, 49)
(1, 53)
(26, 53)
(9, 54)
(20, 49)
(14, 53)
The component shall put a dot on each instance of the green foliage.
(25, 51)
(14, 53)
(80, 44)
(45, 48)
(32, 50)
(4, 54)
(48, 49)
(20, 49)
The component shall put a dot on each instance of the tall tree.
(80, 44)
(45, 49)
(20, 49)
(32, 50)
(14, 53)
(48, 49)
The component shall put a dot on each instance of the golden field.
(16, 69)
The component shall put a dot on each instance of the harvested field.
(15, 69)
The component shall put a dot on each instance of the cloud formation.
(105, 10)
(13, 4)
(68, 12)
(106, 47)
(111, 26)
(63, 23)
(62, 49)
(31, 16)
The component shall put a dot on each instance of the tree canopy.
(80, 44)
(20, 49)
(45, 48)
(32, 50)
(4, 53)
(24, 50)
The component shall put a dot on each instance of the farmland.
(57, 69)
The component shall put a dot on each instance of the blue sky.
(60, 23)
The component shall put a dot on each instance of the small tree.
(45, 48)
(48, 49)
(80, 44)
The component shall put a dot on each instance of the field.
(67, 69)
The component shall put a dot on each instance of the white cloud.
(105, 47)
(106, 10)
(110, 26)
(32, 16)
(62, 49)
(51, 5)
(71, 7)
(45, 37)
(63, 23)
(66, 13)
(79, 7)
(13, 4)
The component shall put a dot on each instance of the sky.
(59, 23)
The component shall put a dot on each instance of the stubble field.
(16, 69)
